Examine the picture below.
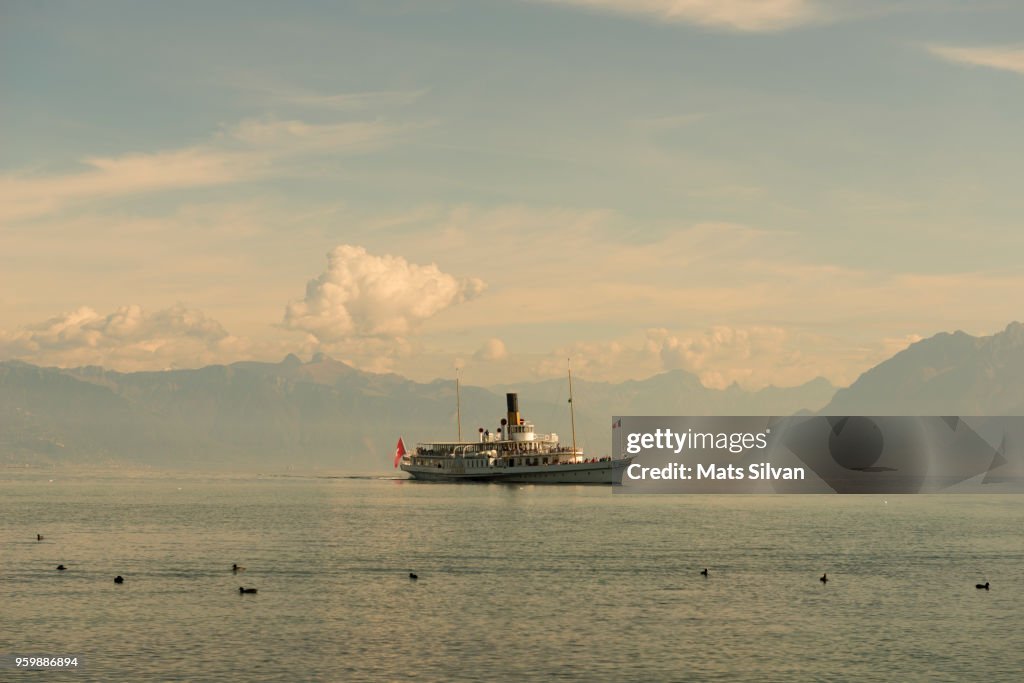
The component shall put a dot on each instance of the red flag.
(399, 451)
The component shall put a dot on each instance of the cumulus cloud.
(718, 356)
(752, 357)
(128, 338)
(613, 361)
(361, 295)
(723, 355)
(493, 349)
(369, 354)
(758, 356)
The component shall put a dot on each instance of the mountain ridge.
(326, 413)
(945, 374)
(308, 414)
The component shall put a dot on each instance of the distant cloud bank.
(128, 338)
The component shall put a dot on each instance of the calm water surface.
(517, 583)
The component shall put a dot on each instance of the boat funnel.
(512, 402)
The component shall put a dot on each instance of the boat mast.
(572, 410)
(458, 404)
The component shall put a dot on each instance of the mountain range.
(326, 414)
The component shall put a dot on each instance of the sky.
(759, 192)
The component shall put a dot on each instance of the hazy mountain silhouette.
(323, 413)
(948, 374)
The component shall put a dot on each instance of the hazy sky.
(759, 192)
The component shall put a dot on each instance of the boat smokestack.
(512, 402)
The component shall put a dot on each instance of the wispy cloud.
(24, 195)
(1004, 58)
(273, 137)
(250, 149)
(736, 15)
(269, 91)
(377, 99)
(663, 123)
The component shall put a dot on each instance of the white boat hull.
(602, 472)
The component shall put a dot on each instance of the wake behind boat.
(515, 453)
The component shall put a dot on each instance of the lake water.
(517, 583)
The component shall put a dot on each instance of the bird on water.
(236, 568)
(705, 572)
(982, 585)
(246, 590)
(61, 567)
(39, 537)
(824, 578)
(119, 579)
(412, 576)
